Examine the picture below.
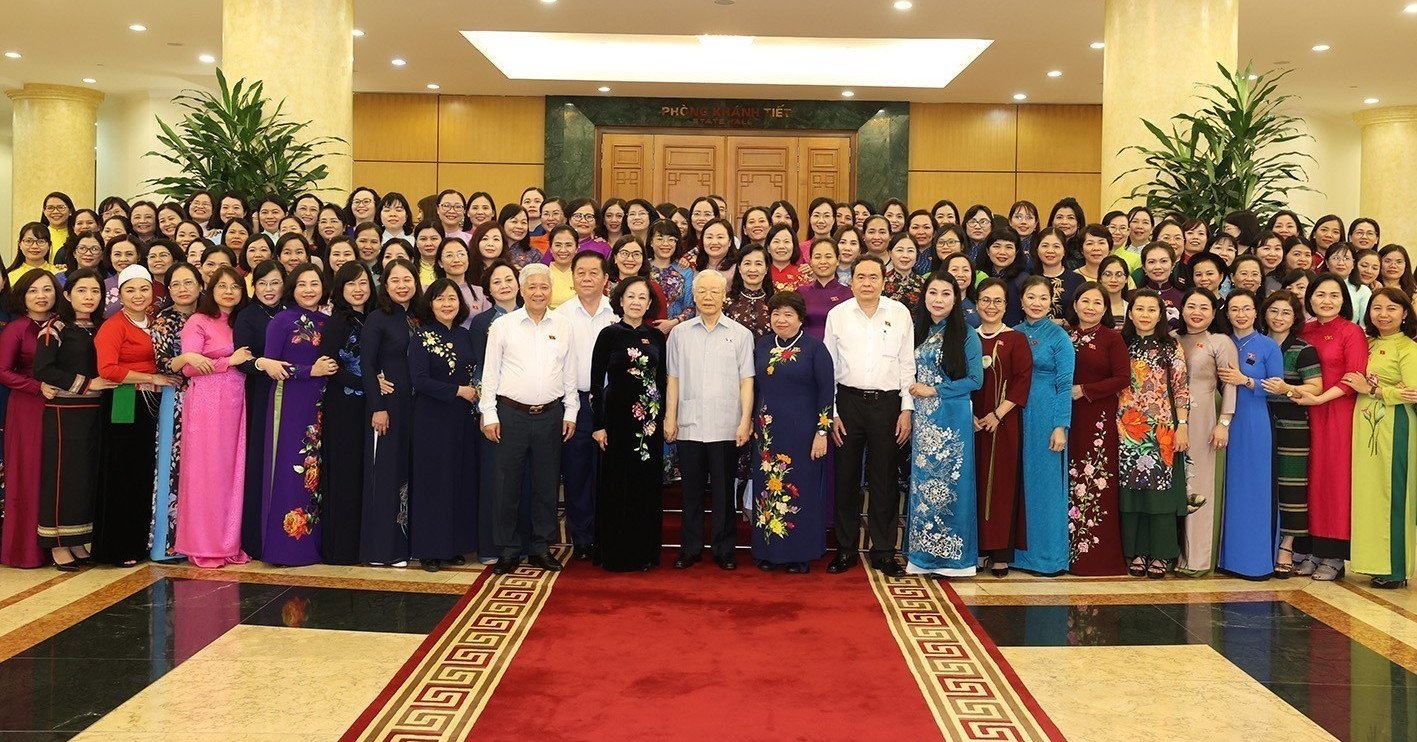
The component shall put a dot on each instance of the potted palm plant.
(1234, 152)
(232, 141)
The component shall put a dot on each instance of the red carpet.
(707, 654)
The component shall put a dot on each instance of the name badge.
(1250, 359)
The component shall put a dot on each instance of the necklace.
(989, 335)
(754, 295)
(777, 341)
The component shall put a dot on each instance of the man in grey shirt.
(708, 410)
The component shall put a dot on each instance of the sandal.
(1305, 567)
(1326, 572)
(1137, 568)
(1156, 570)
(1194, 503)
(1283, 570)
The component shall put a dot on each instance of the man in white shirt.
(588, 314)
(871, 341)
(708, 410)
(529, 405)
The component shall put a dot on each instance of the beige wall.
(996, 154)
(127, 128)
(421, 144)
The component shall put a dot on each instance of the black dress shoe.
(888, 567)
(798, 568)
(582, 553)
(545, 561)
(685, 561)
(457, 561)
(844, 560)
(766, 566)
(727, 564)
(505, 565)
(68, 566)
(431, 565)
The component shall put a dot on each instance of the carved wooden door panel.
(686, 167)
(626, 165)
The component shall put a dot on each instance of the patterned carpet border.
(972, 691)
(439, 693)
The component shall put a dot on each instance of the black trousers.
(870, 429)
(708, 468)
(535, 439)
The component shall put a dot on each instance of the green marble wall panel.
(882, 133)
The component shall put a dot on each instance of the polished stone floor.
(257, 653)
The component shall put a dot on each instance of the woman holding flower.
(627, 375)
(795, 385)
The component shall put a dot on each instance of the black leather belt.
(870, 395)
(530, 409)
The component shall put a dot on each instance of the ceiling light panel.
(767, 60)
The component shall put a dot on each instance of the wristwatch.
(1226, 423)
(821, 433)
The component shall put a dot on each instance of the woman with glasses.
(32, 253)
(452, 217)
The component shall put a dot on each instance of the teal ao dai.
(1045, 472)
(941, 530)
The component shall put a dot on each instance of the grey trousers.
(535, 439)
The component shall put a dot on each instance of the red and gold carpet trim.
(969, 687)
(439, 693)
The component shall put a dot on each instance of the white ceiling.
(63, 41)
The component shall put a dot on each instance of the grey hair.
(533, 269)
(710, 273)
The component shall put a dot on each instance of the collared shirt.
(563, 286)
(875, 352)
(709, 365)
(531, 362)
(585, 328)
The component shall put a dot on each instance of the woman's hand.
(380, 422)
(819, 446)
(1183, 438)
(1231, 375)
(196, 360)
(1058, 441)
(468, 393)
(48, 390)
(324, 366)
(1276, 385)
(1219, 436)
(1358, 382)
(921, 390)
(273, 368)
(1409, 394)
(665, 325)
(240, 356)
(165, 380)
(1077, 392)
(989, 423)
(98, 384)
(1306, 399)
(601, 438)
(386, 387)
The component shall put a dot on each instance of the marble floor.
(259, 653)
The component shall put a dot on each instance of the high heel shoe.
(1137, 568)
(1327, 572)
(1382, 583)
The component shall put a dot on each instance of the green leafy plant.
(228, 143)
(1235, 152)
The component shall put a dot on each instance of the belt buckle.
(535, 409)
(870, 394)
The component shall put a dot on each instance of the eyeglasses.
(451, 207)
(980, 222)
(1240, 309)
(362, 202)
(583, 217)
(89, 250)
(990, 301)
(628, 254)
(33, 242)
(950, 242)
(1364, 233)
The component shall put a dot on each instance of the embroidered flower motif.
(306, 331)
(300, 521)
(437, 346)
(774, 506)
(645, 409)
(778, 356)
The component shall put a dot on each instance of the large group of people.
(381, 382)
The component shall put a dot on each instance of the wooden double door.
(747, 170)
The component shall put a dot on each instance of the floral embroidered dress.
(1094, 531)
(1385, 463)
(941, 527)
(795, 385)
(904, 289)
(290, 495)
(1147, 427)
(627, 375)
(442, 496)
(166, 331)
(676, 281)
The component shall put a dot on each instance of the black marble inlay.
(1346, 688)
(60, 686)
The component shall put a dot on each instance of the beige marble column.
(1157, 50)
(1387, 190)
(303, 51)
(54, 139)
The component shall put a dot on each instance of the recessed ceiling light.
(1322, 47)
(1020, 96)
(1370, 101)
(848, 94)
(1411, 8)
(548, 2)
(1098, 45)
(903, 5)
(604, 88)
(206, 58)
(137, 27)
(833, 63)
(91, 81)
(358, 33)
(1055, 73)
(398, 62)
(432, 86)
(12, 55)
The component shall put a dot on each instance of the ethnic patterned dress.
(795, 385)
(166, 331)
(1094, 530)
(290, 503)
(941, 526)
(1291, 438)
(1147, 411)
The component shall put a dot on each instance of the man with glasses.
(871, 340)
